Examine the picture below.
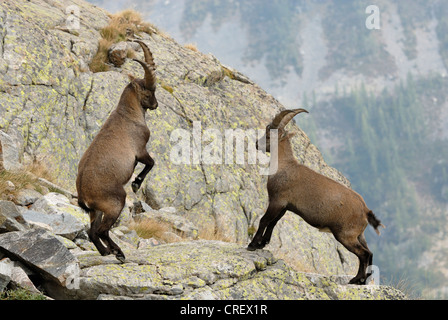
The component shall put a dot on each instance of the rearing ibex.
(320, 201)
(109, 162)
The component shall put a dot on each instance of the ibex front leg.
(149, 163)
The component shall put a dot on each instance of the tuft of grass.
(405, 285)
(212, 234)
(24, 179)
(40, 169)
(21, 294)
(251, 230)
(121, 25)
(21, 180)
(99, 61)
(149, 228)
(123, 22)
(191, 46)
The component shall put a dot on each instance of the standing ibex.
(320, 201)
(109, 162)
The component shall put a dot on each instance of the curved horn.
(283, 118)
(150, 76)
(148, 55)
(150, 81)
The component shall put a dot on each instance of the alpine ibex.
(109, 162)
(320, 201)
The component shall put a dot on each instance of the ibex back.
(109, 162)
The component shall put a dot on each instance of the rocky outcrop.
(41, 251)
(209, 270)
(186, 270)
(51, 106)
(38, 254)
(10, 218)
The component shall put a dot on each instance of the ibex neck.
(130, 108)
(285, 149)
(284, 153)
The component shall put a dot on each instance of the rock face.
(9, 153)
(53, 105)
(5, 273)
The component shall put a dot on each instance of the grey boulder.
(42, 253)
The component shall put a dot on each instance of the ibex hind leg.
(364, 256)
(106, 224)
(363, 242)
(95, 222)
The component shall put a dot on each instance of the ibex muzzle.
(109, 162)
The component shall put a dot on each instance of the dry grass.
(191, 46)
(120, 24)
(149, 228)
(24, 179)
(295, 263)
(98, 63)
(40, 169)
(405, 285)
(212, 234)
(21, 180)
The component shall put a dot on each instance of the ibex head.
(279, 123)
(146, 88)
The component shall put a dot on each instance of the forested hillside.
(387, 145)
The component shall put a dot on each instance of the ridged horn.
(150, 76)
(283, 118)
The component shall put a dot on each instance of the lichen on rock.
(209, 270)
(53, 104)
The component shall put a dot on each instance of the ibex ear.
(134, 83)
(137, 87)
(287, 135)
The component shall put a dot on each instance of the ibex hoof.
(135, 187)
(358, 281)
(136, 184)
(120, 257)
(254, 246)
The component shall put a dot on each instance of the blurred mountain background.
(378, 102)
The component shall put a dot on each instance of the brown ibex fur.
(109, 162)
(320, 201)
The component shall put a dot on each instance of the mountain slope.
(53, 105)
